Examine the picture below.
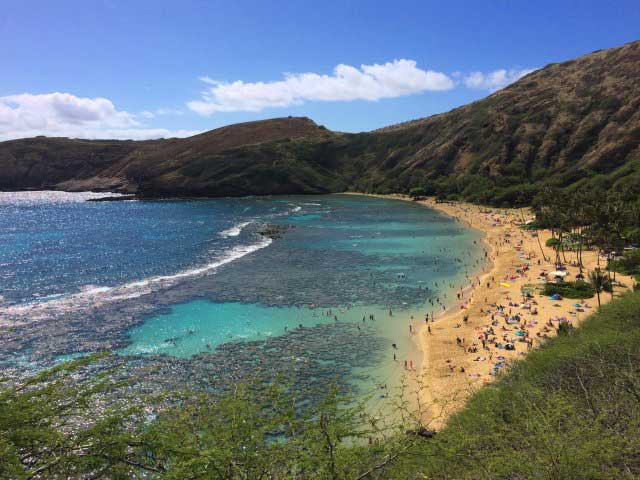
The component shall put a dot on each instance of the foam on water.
(233, 254)
(56, 244)
(97, 296)
(235, 230)
(50, 197)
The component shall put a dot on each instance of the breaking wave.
(235, 230)
(92, 296)
(48, 197)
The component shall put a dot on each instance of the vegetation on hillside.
(572, 125)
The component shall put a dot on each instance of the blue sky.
(134, 69)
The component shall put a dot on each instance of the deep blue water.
(56, 243)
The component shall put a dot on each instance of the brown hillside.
(567, 124)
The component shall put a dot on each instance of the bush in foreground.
(52, 427)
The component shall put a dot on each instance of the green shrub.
(564, 328)
(417, 192)
(552, 242)
(629, 264)
(577, 289)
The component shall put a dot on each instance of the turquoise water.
(394, 255)
(182, 279)
(202, 325)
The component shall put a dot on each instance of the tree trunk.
(558, 246)
(580, 251)
(544, 257)
(577, 248)
(609, 273)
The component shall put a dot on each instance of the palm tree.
(553, 211)
(598, 281)
(581, 213)
(545, 212)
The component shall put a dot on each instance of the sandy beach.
(464, 347)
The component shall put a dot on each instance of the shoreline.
(458, 357)
(426, 396)
(447, 371)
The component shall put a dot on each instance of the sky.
(151, 68)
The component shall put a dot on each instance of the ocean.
(334, 285)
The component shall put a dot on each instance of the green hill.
(567, 124)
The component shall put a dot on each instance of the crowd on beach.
(497, 316)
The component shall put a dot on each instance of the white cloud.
(63, 114)
(495, 80)
(158, 112)
(168, 111)
(370, 82)
(209, 80)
